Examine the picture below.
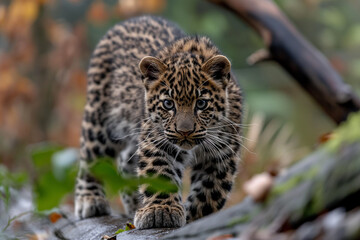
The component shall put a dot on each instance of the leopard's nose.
(185, 124)
(185, 133)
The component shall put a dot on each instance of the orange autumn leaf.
(54, 217)
(325, 137)
(23, 10)
(152, 6)
(130, 226)
(97, 12)
(132, 7)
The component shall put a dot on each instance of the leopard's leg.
(90, 198)
(211, 182)
(159, 209)
(95, 140)
(127, 163)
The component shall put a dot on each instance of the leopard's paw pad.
(160, 216)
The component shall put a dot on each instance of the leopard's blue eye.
(168, 104)
(201, 104)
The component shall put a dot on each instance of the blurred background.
(45, 46)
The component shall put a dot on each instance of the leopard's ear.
(218, 67)
(151, 68)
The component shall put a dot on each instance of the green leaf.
(159, 184)
(114, 182)
(41, 154)
(55, 174)
(120, 231)
(106, 171)
(129, 226)
(49, 190)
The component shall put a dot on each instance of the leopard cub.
(159, 101)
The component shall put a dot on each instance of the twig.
(15, 217)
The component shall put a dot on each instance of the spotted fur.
(159, 101)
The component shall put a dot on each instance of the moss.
(347, 132)
(316, 203)
(282, 188)
(243, 219)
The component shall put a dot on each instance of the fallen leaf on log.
(54, 217)
(129, 226)
(258, 186)
(325, 137)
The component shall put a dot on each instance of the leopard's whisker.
(216, 138)
(214, 153)
(240, 142)
(177, 154)
(223, 118)
(224, 125)
(217, 153)
(233, 135)
(132, 134)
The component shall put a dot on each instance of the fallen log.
(318, 189)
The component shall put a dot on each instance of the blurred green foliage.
(52, 182)
(10, 180)
(56, 170)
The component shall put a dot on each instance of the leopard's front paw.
(159, 216)
(91, 206)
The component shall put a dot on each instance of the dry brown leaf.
(130, 226)
(325, 137)
(54, 217)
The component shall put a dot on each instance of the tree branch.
(297, 56)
